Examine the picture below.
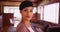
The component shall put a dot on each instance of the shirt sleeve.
(21, 28)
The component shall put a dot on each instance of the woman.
(26, 8)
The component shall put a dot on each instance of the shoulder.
(21, 28)
(20, 25)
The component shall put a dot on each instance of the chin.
(28, 19)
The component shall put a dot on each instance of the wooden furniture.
(6, 21)
(1, 23)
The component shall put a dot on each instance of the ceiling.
(22, 0)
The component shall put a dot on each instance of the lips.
(27, 16)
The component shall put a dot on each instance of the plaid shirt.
(22, 28)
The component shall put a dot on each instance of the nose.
(28, 12)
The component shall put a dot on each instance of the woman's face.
(27, 13)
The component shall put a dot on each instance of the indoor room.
(46, 15)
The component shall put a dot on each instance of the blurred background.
(46, 11)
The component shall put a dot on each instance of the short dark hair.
(25, 4)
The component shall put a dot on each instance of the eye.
(31, 11)
(25, 10)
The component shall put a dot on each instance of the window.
(12, 9)
(40, 11)
(50, 13)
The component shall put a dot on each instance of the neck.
(26, 22)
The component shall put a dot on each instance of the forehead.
(28, 8)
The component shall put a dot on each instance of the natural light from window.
(51, 13)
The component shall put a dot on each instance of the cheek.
(23, 14)
(31, 14)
